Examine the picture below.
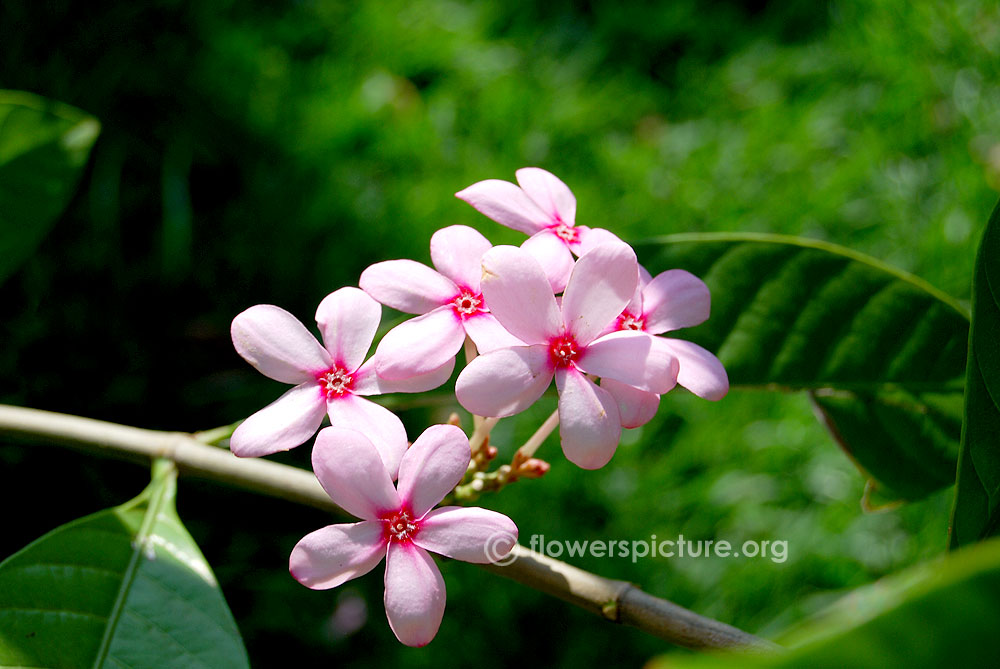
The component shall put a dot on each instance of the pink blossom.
(398, 524)
(674, 299)
(328, 380)
(564, 340)
(449, 299)
(544, 208)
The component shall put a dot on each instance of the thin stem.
(480, 434)
(616, 601)
(216, 435)
(535, 440)
(471, 352)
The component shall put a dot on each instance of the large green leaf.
(125, 587)
(44, 146)
(881, 352)
(977, 496)
(940, 614)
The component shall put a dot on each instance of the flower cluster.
(528, 315)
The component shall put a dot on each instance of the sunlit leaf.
(125, 587)
(880, 351)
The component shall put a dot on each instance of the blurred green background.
(267, 152)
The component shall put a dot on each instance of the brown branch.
(617, 601)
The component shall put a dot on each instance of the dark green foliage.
(977, 498)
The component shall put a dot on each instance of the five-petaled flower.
(673, 300)
(398, 524)
(449, 299)
(564, 340)
(544, 208)
(329, 380)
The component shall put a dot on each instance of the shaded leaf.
(880, 351)
(125, 587)
(44, 146)
(977, 495)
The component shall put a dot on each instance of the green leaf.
(44, 146)
(880, 352)
(977, 495)
(940, 614)
(125, 587)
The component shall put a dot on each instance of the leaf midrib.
(156, 502)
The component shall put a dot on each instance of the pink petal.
(700, 371)
(506, 204)
(350, 470)
(518, 293)
(468, 534)
(635, 304)
(487, 333)
(408, 286)
(589, 423)
(420, 345)
(348, 319)
(457, 252)
(550, 194)
(601, 284)
(673, 300)
(382, 427)
(504, 382)
(631, 357)
(637, 407)
(432, 466)
(335, 554)
(414, 594)
(278, 345)
(367, 382)
(591, 238)
(552, 254)
(283, 424)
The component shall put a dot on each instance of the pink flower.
(564, 341)
(449, 299)
(398, 524)
(674, 299)
(544, 208)
(330, 380)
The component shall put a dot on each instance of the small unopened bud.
(533, 468)
(491, 452)
(455, 419)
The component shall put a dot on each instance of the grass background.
(267, 152)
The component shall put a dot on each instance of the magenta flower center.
(467, 303)
(567, 233)
(400, 526)
(563, 351)
(335, 382)
(628, 321)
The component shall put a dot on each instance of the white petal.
(283, 424)
(414, 594)
(457, 252)
(408, 286)
(335, 554)
(602, 283)
(432, 466)
(382, 427)
(504, 382)
(352, 473)
(348, 319)
(278, 345)
(589, 422)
